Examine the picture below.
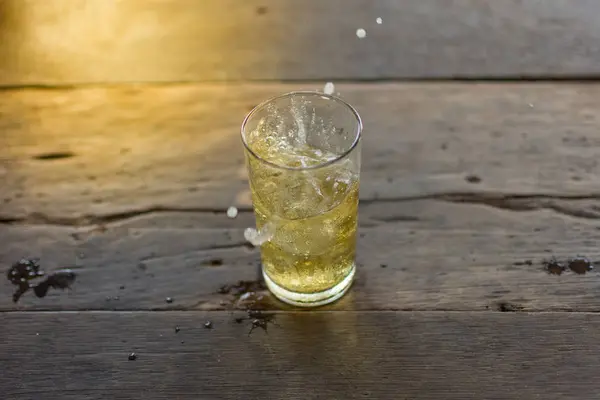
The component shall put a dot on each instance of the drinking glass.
(302, 152)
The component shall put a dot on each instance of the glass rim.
(359, 128)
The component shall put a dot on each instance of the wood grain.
(136, 149)
(57, 42)
(130, 185)
(437, 255)
(308, 356)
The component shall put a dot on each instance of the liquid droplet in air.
(361, 33)
(261, 236)
(232, 212)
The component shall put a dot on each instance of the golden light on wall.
(94, 41)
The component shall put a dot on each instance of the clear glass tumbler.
(303, 157)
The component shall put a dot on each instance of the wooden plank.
(438, 255)
(56, 42)
(308, 356)
(131, 150)
(150, 171)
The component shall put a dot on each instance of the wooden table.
(467, 190)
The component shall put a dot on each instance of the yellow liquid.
(313, 254)
(312, 215)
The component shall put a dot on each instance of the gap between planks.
(301, 312)
(502, 201)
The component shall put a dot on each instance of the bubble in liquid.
(361, 33)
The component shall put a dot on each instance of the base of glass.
(311, 299)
